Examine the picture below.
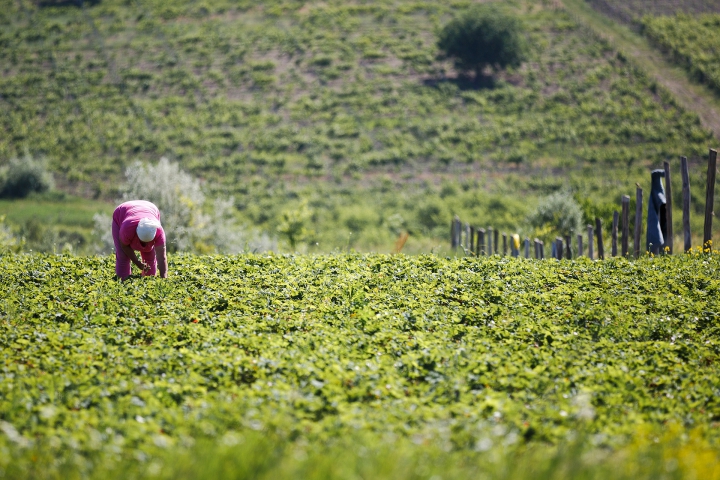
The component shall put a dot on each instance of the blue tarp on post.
(656, 219)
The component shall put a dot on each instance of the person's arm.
(162, 263)
(133, 258)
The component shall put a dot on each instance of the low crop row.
(469, 354)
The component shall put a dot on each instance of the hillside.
(396, 366)
(691, 42)
(341, 108)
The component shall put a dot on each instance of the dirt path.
(692, 96)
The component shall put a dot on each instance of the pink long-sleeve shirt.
(127, 216)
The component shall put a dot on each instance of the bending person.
(136, 227)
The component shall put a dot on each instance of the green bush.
(25, 176)
(557, 214)
(483, 37)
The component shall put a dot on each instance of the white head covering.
(146, 229)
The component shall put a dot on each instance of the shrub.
(176, 193)
(188, 225)
(25, 176)
(483, 37)
(558, 213)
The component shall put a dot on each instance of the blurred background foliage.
(324, 126)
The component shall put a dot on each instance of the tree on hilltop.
(483, 37)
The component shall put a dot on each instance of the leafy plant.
(295, 224)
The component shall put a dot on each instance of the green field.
(341, 107)
(338, 359)
(71, 219)
(485, 358)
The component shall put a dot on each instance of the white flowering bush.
(189, 224)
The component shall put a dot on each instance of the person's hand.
(144, 267)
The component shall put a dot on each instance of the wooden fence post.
(686, 202)
(591, 253)
(580, 245)
(453, 236)
(598, 234)
(668, 209)
(481, 241)
(504, 244)
(568, 246)
(709, 199)
(490, 241)
(625, 225)
(472, 240)
(458, 232)
(638, 219)
(559, 248)
(468, 245)
(496, 232)
(614, 234)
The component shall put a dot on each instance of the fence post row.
(562, 247)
